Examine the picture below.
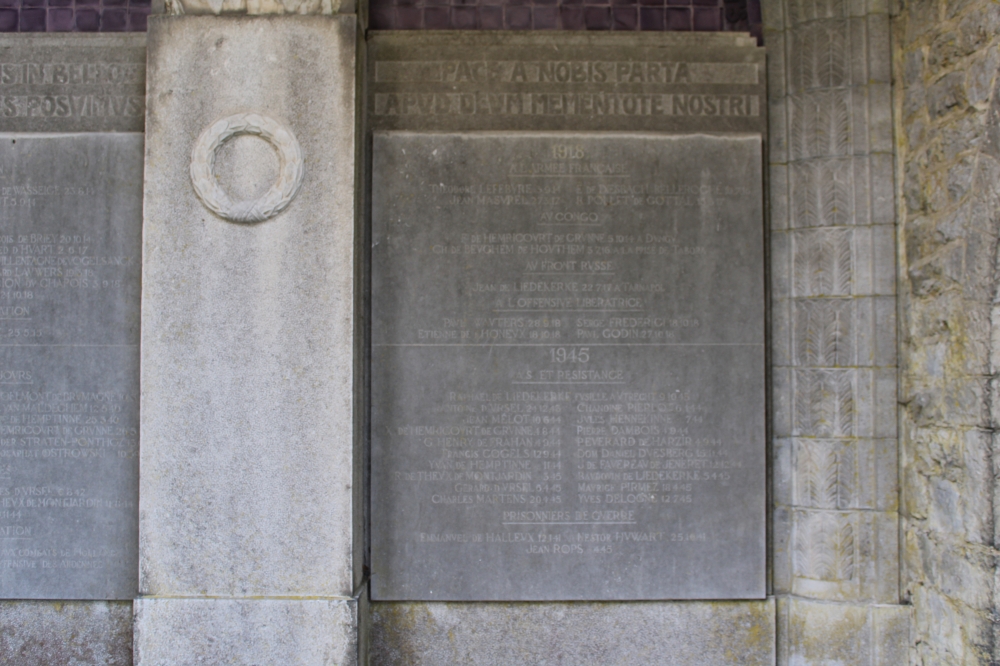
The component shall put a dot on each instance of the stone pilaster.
(836, 560)
(250, 484)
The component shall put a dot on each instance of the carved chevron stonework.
(825, 474)
(820, 124)
(823, 263)
(820, 56)
(823, 332)
(825, 546)
(824, 403)
(800, 11)
(821, 193)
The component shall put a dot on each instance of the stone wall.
(946, 55)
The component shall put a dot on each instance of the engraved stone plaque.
(573, 80)
(70, 243)
(568, 393)
(73, 83)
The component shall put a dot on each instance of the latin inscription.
(69, 440)
(567, 367)
(74, 84)
(565, 71)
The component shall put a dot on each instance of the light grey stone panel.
(857, 52)
(73, 82)
(825, 123)
(777, 141)
(781, 264)
(819, 633)
(819, 55)
(824, 262)
(781, 331)
(778, 200)
(835, 332)
(289, 632)
(827, 403)
(880, 117)
(802, 11)
(837, 474)
(884, 336)
(584, 533)
(65, 633)
(824, 332)
(845, 555)
(822, 193)
(782, 401)
(70, 245)
(619, 634)
(248, 452)
(781, 572)
(879, 55)
(883, 198)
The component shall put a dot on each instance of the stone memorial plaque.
(73, 83)
(70, 243)
(568, 393)
(574, 80)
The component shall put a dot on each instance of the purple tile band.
(696, 15)
(73, 15)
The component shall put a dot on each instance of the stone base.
(818, 633)
(630, 634)
(246, 632)
(66, 633)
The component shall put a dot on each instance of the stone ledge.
(290, 632)
(66, 633)
(634, 634)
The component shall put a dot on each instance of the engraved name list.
(568, 388)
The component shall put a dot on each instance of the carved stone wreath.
(276, 199)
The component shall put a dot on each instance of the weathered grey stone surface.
(72, 82)
(948, 177)
(249, 460)
(610, 634)
(66, 633)
(296, 632)
(855, 634)
(499, 80)
(70, 245)
(568, 367)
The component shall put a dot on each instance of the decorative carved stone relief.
(323, 7)
(276, 199)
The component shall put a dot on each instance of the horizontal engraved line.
(572, 383)
(583, 344)
(573, 523)
(131, 345)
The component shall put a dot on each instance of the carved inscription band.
(277, 198)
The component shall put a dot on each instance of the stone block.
(464, 294)
(66, 633)
(241, 632)
(619, 634)
(778, 199)
(819, 634)
(250, 468)
(69, 351)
